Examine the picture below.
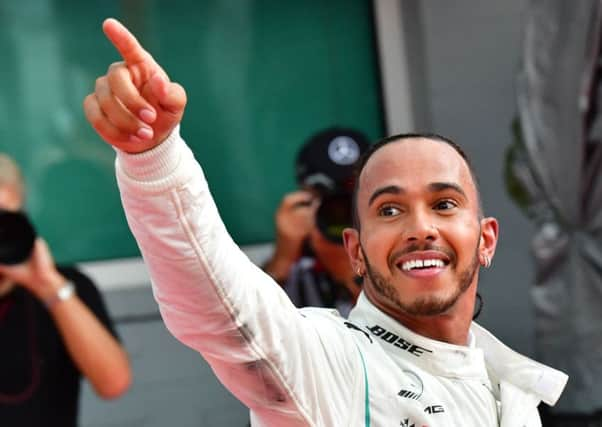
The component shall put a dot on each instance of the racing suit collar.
(486, 358)
(526, 374)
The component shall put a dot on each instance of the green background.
(261, 77)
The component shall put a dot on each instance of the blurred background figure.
(554, 173)
(54, 327)
(309, 259)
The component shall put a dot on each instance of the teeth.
(420, 263)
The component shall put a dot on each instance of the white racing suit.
(307, 367)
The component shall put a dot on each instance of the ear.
(351, 240)
(489, 236)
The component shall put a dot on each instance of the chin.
(428, 303)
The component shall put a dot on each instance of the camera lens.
(333, 216)
(17, 237)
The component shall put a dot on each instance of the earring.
(486, 261)
(359, 271)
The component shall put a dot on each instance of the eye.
(443, 205)
(388, 210)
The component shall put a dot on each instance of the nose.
(419, 227)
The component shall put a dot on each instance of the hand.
(295, 219)
(38, 274)
(134, 107)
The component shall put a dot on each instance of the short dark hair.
(398, 138)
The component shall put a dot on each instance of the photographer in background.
(54, 327)
(309, 259)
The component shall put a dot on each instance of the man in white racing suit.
(409, 354)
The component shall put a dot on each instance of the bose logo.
(397, 341)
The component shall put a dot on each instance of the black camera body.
(17, 237)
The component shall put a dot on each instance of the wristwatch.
(62, 294)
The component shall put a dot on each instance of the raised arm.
(211, 296)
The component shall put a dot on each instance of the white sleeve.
(281, 364)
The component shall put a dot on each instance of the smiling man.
(409, 354)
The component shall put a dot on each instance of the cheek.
(463, 236)
(377, 243)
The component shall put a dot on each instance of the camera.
(17, 237)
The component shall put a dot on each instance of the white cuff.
(153, 164)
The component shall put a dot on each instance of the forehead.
(413, 164)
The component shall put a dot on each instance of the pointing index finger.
(126, 44)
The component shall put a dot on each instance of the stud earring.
(486, 261)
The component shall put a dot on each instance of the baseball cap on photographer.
(326, 163)
(327, 160)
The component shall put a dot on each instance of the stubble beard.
(431, 305)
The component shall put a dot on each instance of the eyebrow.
(434, 187)
(442, 186)
(389, 189)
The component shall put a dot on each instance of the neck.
(451, 326)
